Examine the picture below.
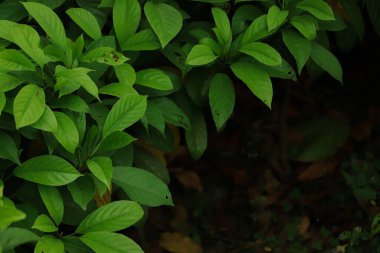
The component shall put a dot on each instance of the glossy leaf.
(47, 170)
(172, 113)
(43, 223)
(114, 216)
(318, 8)
(87, 21)
(49, 244)
(154, 78)
(126, 74)
(82, 191)
(101, 168)
(276, 17)
(305, 25)
(115, 141)
(13, 60)
(8, 215)
(53, 202)
(299, 47)
(106, 242)
(47, 122)
(143, 40)
(262, 52)
(67, 133)
(12, 237)
(200, 55)
(8, 148)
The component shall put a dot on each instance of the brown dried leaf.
(178, 243)
(319, 169)
(190, 179)
(304, 225)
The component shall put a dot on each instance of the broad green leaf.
(87, 21)
(8, 215)
(120, 90)
(242, 15)
(223, 27)
(3, 101)
(82, 190)
(326, 60)
(126, 74)
(262, 52)
(114, 216)
(43, 223)
(257, 80)
(29, 105)
(305, 25)
(101, 168)
(124, 113)
(142, 186)
(53, 202)
(67, 133)
(276, 17)
(12, 237)
(299, 47)
(172, 113)
(71, 102)
(222, 99)
(143, 40)
(115, 141)
(8, 148)
(257, 30)
(126, 12)
(74, 245)
(200, 55)
(47, 122)
(155, 117)
(164, 19)
(51, 3)
(106, 55)
(318, 8)
(49, 21)
(13, 60)
(154, 78)
(47, 170)
(49, 244)
(196, 135)
(9, 82)
(106, 242)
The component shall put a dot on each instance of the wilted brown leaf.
(319, 169)
(190, 179)
(304, 225)
(178, 243)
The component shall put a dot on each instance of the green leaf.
(13, 60)
(200, 55)
(257, 80)
(12, 237)
(8, 215)
(87, 21)
(71, 102)
(326, 60)
(196, 135)
(126, 12)
(165, 20)
(49, 244)
(276, 17)
(106, 55)
(101, 168)
(120, 90)
(43, 223)
(142, 186)
(9, 82)
(53, 202)
(106, 242)
(67, 133)
(47, 170)
(8, 148)
(223, 27)
(3, 101)
(155, 117)
(74, 245)
(318, 8)
(172, 113)
(299, 47)
(143, 40)
(126, 74)
(305, 25)
(154, 78)
(47, 122)
(222, 99)
(257, 30)
(262, 52)
(49, 21)
(29, 105)
(82, 190)
(115, 141)
(124, 113)
(114, 216)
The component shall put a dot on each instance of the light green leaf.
(326, 60)
(222, 99)
(172, 113)
(126, 12)
(165, 20)
(126, 74)
(47, 122)
(262, 52)
(143, 40)
(106, 55)
(9, 82)
(276, 17)
(115, 141)
(47, 170)
(154, 78)
(318, 8)
(29, 105)
(43, 223)
(49, 244)
(257, 80)
(87, 21)
(124, 113)
(67, 133)
(257, 30)
(12, 237)
(71, 102)
(8, 215)
(155, 117)
(13, 60)
(106, 242)
(120, 90)
(299, 47)
(142, 186)
(8, 148)
(305, 25)
(49, 21)
(200, 55)
(53, 202)
(223, 28)
(82, 190)
(101, 168)
(114, 216)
